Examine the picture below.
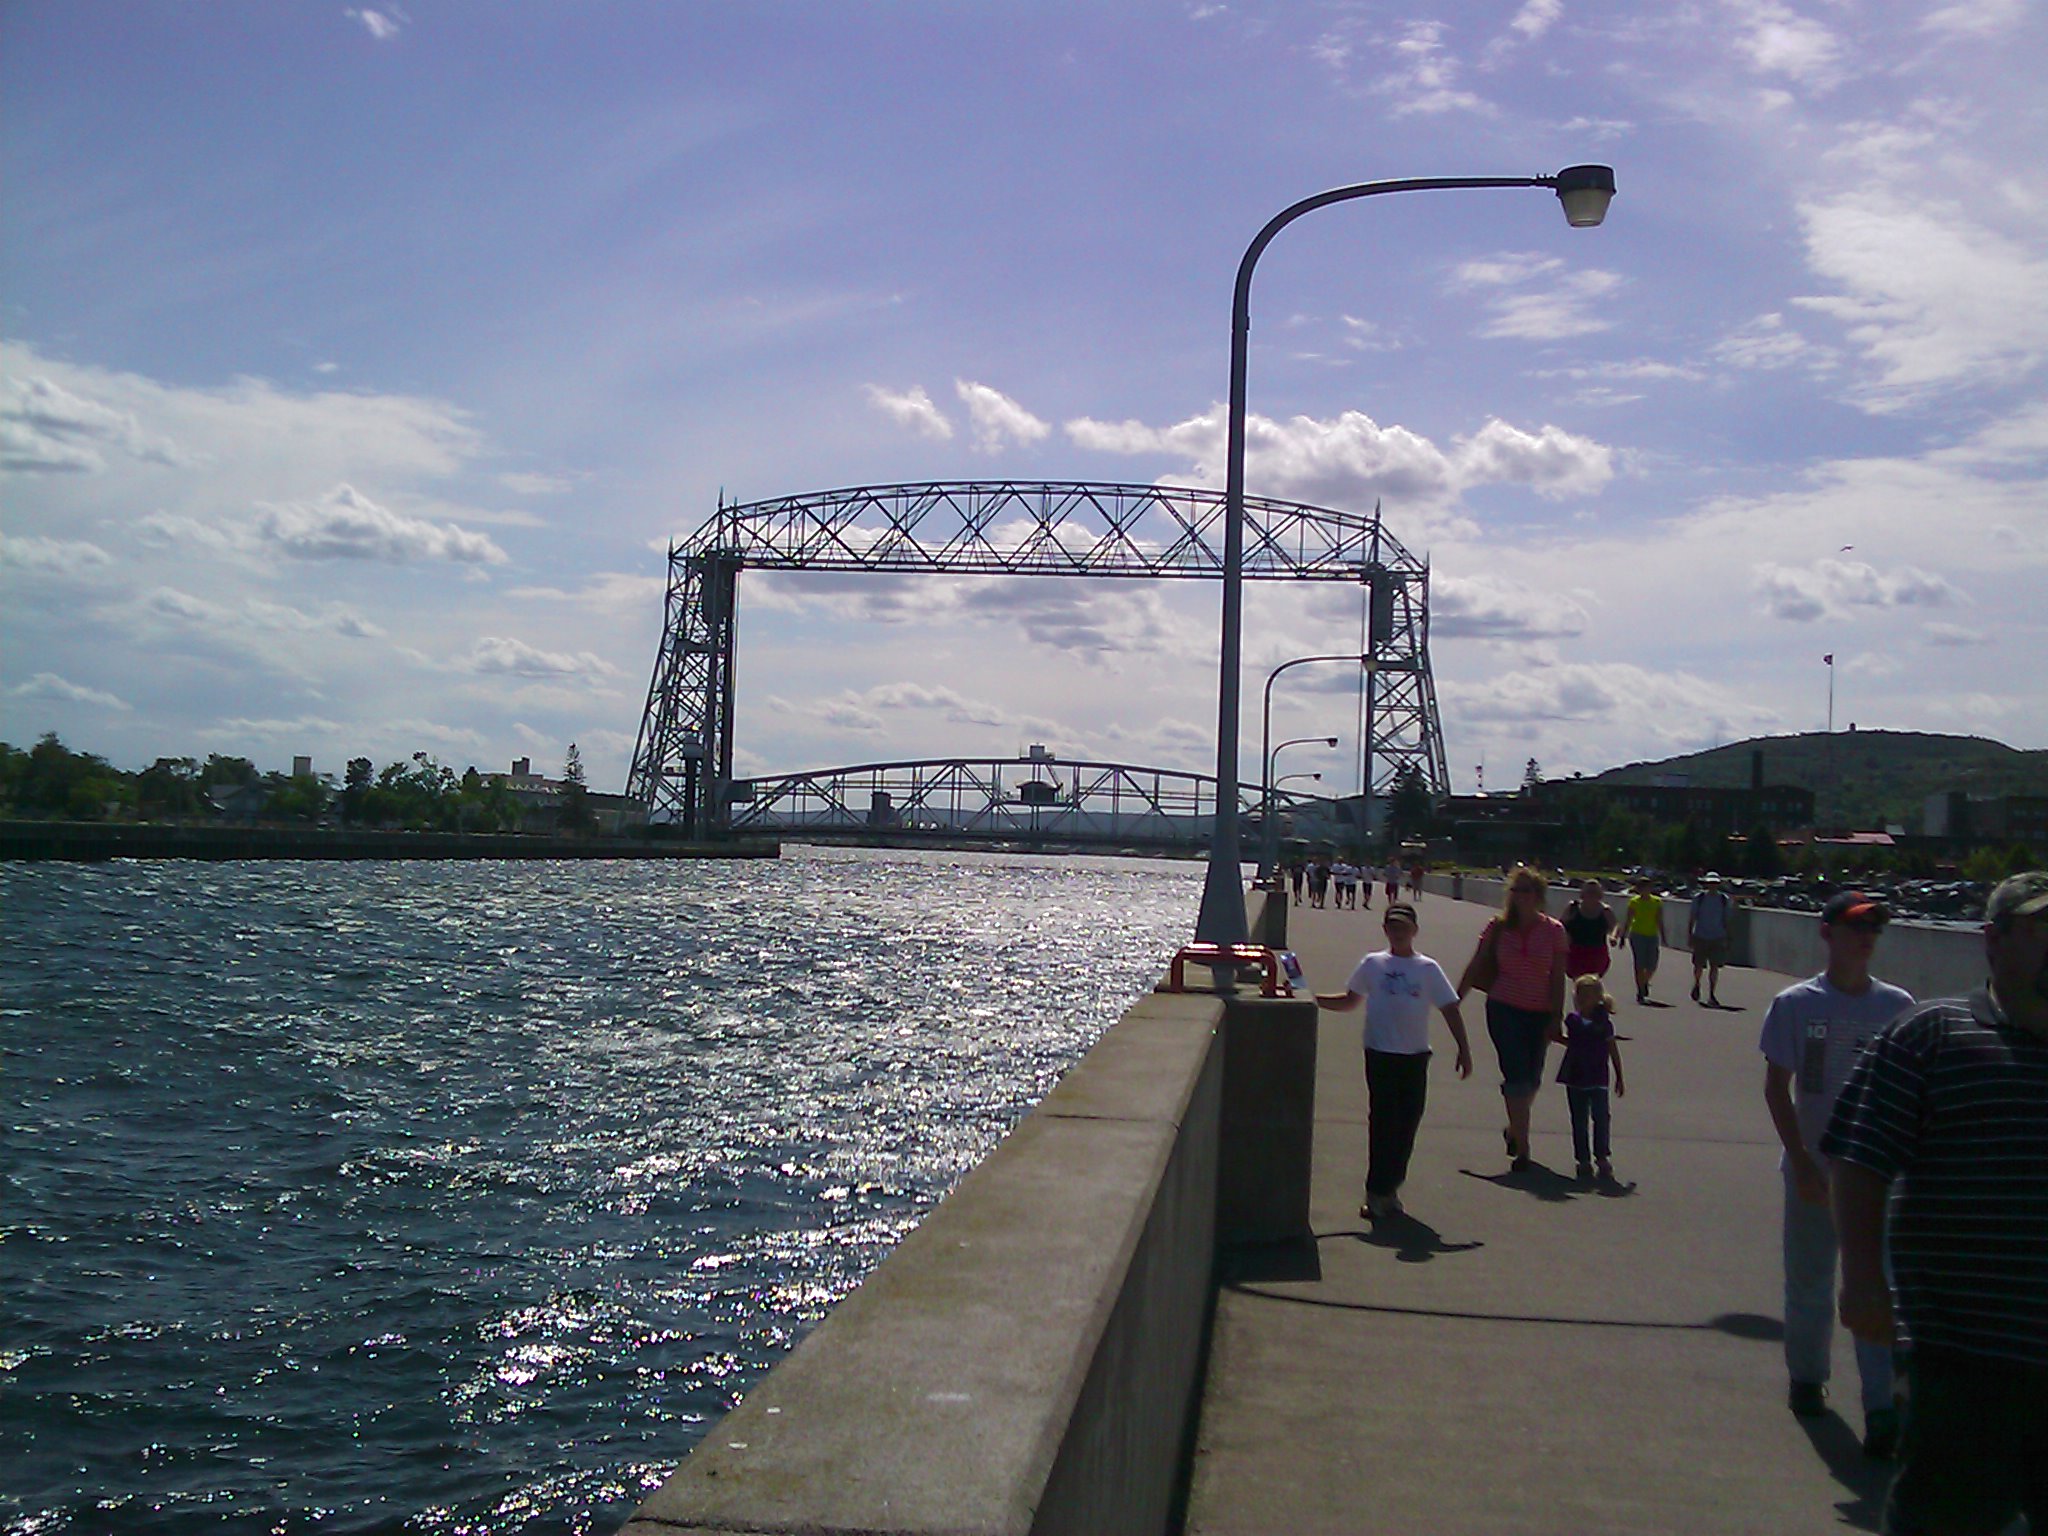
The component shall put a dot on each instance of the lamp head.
(1585, 191)
(1329, 741)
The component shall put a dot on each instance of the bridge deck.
(1520, 1355)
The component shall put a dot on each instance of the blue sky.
(359, 363)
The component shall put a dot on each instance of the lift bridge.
(682, 763)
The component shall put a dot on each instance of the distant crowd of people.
(1915, 1142)
(1319, 882)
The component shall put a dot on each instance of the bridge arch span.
(682, 759)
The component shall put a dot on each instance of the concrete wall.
(1926, 959)
(1027, 1360)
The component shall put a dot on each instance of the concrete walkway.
(1520, 1354)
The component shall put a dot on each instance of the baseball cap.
(1855, 907)
(2021, 896)
(1403, 910)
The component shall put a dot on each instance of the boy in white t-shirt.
(1398, 987)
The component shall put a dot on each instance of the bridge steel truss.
(682, 761)
(1023, 799)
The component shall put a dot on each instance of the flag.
(1829, 658)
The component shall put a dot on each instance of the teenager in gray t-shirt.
(1812, 1035)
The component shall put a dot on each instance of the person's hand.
(1620, 1088)
(1867, 1312)
(1464, 1062)
(1809, 1179)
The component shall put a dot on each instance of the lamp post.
(1269, 844)
(1584, 191)
(1290, 778)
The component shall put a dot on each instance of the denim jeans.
(1810, 1304)
(1589, 1105)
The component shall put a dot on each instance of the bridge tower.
(682, 761)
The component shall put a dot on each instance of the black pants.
(1398, 1087)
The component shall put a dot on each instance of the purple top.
(1586, 1036)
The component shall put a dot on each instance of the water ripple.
(459, 1198)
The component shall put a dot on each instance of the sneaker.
(1808, 1399)
(1392, 1206)
(1585, 1171)
(1375, 1206)
(1695, 991)
(1881, 1433)
(1606, 1171)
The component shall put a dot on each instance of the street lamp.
(1584, 191)
(1269, 846)
(1269, 856)
(1290, 778)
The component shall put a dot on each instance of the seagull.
(1847, 547)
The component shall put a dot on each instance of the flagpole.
(1830, 660)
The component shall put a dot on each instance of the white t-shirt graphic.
(1399, 992)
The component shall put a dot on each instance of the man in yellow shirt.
(1644, 931)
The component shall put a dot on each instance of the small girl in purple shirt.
(1589, 1051)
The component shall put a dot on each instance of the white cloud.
(52, 557)
(1954, 635)
(1765, 344)
(1425, 79)
(1778, 40)
(383, 25)
(1486, 607)
(48, 685)
(998, 420)
(1563, 306)
(1829, 588)
(1536, 17)
(502, 655)
(531, 484)
(1976, 19)
(1351, 461)
(911, 408)
(346, 525)
(1934, 300)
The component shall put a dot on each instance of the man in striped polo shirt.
(1951, 1104)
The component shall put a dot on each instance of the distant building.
(1965, 818)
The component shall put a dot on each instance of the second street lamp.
(1584, 191)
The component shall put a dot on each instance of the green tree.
(228, 772)
(356, 784)
(1409, 808)
(1532, 776)
(170, 787)
(55, 781)
(575, 815)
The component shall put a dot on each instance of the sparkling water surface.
(459, 1197)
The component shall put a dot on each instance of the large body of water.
(460, 1197)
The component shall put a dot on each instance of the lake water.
(460, 1197)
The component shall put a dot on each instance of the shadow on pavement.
(1866, 1480)
(1738, 1325)
(1413, 1241)
(1538, 1179)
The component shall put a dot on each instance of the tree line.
(51, 780)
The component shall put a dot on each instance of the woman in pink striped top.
(1525, 1002)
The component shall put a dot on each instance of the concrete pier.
(1155, 1308)
(1521, 1354)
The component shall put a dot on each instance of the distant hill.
(1860, 778)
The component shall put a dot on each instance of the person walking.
(1813, 1032)
(1589, 924)
(1398, 986)
(1318, 882)
(1706, 935)
(1644, 925)
(1297, 875)
(1390, 879)
(1519, 965)
(1591, 1054)
(1943, 1129)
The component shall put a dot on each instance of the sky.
(358, 365)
